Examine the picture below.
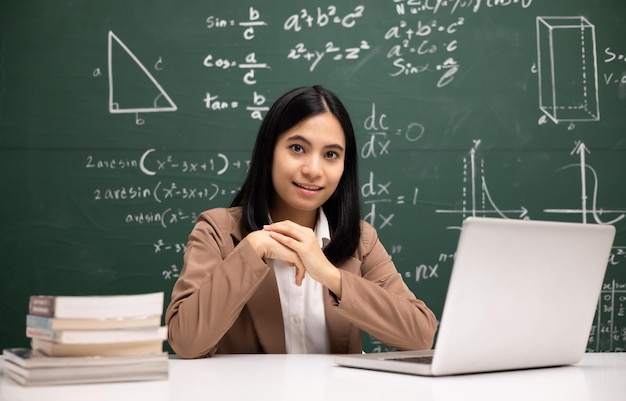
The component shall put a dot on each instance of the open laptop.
(522, 294)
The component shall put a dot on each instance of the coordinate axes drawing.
(116, 106)
(581, 150)
(476, 197)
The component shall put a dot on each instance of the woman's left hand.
(302, 240)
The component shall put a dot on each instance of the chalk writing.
(110, 164)
(300, 52)
(452, 6)
(476, 198)
(581, 150)
(612, 78)
(426, 272)
(151, 163)
(250, 63)
(377, 194)
(162, 192)
(379, 141)
(321, 18)
(164, 218)
(618, 255)
(427, 47)
(161, 246)
(254, 21)
(259, 106)
(555, 82)
(219, 164)
(608, 332)
(151, 104)
(611, 56)
(171, 273)
(212, 102)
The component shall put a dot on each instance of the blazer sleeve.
(216, 281)
(378, 301)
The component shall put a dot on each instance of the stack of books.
(89, 339)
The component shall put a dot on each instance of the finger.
(288, 256)
(300, 273)
(289, 228)
(285, 240)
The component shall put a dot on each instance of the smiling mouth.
(308, 187)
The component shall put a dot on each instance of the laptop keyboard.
(414, 359)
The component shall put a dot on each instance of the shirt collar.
(322, 229)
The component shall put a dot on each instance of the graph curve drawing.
(160, 102)
(581, 151)
(477, 200)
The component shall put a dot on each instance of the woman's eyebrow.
(303, 139)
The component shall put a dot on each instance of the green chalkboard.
(120, 121)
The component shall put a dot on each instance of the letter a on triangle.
(132, 89)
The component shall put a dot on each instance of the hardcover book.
(51, 348)
(57, 323)
(99, 336)
(97, 307)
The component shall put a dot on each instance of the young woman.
(290, 267)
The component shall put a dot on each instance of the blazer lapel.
(266, 314)
(338, 326)
(264, 305)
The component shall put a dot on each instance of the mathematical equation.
(162, 192)
(150, 163)
(415, 7)
(314, 56)
(250, 64)
(249, 25)
(320, 18)
(608, 332)
(424, 41)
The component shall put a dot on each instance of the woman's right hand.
(267, 247)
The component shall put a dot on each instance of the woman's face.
(308, 164)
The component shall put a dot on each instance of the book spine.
(34, 332)
(41, 305)
(40, 322)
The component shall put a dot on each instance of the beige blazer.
(226, 298)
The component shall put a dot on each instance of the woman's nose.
(312, 166)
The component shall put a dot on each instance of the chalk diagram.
(151, 104)
(476, 197)
(581, 150)
(567, 69)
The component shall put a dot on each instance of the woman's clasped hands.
(296, 246)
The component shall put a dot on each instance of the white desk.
(314, 377)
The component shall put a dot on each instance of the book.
(96, 307)
(99, 336)
(51, 348)
(30, 359)
(30, 368)
(91, 375)
(57, 323)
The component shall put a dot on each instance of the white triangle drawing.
(114, 107)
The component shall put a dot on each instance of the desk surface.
(315, 377)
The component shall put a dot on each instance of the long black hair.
(343, 207)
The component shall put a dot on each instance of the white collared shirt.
(303, 307)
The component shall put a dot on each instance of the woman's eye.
(332, 155)
(297, 148)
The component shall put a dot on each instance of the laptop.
(522, 294)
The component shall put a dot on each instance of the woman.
(290, 267)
